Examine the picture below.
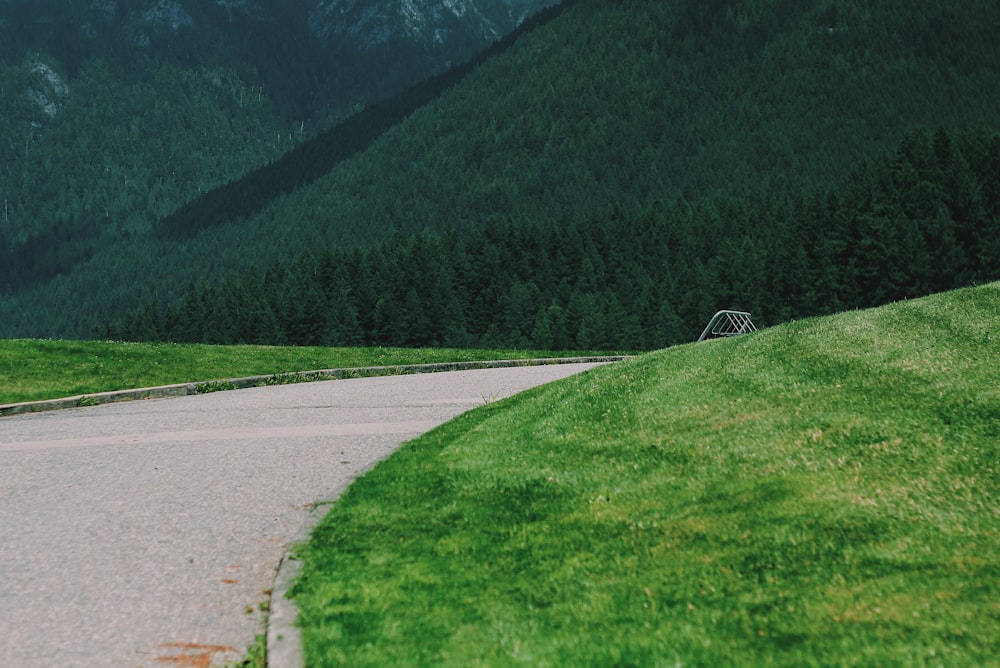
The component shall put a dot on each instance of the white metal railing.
(728, 323)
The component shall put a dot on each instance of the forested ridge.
(312, 159)
(922, 219)
(115, 114)
(682, 114)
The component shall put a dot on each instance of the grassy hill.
(609, 105)
(38, 370)
(820, 493)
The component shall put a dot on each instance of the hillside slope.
(113, 113)
(918, 220)
(822, 493)
(609, 105)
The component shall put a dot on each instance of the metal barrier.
(728, 323)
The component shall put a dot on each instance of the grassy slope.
(822, 493)
(32, 370)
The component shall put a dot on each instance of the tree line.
(921, 219)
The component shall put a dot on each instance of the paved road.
(148, 533)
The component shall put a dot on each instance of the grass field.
(32, 370)
(823, 493)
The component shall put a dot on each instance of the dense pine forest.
(922, 219)
(114, 114)
(609, 178)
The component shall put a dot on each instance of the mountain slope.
(114, 113)
(609, 105)
(365, 25)
(918, 220)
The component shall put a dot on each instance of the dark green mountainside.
(921, 219)
(609, 106)
(113, 113)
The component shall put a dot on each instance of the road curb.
(284, 640)
(185, 389)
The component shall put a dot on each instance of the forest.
(919, 220)
(738, 140)
(115, 115)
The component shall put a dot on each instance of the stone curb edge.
(185, 389)
(283, 643)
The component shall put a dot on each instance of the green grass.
(255, 657)
(32, 370)
(823, 493)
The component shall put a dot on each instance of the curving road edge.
(186, 389)
(283, 647)
(284, 641)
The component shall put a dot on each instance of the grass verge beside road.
(33, 370)
(821, 493)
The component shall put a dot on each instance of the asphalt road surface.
(148, 533)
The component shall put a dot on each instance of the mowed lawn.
(32, 370)
(824, 493)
